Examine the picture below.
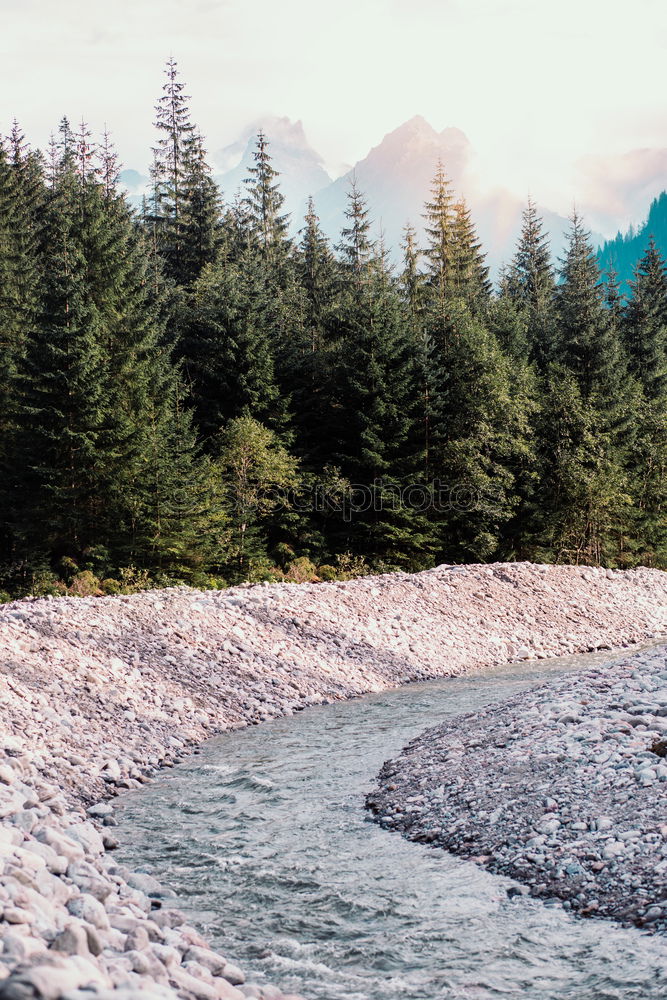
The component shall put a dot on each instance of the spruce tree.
(585, 466)
(530, 286)
(21, 202)
(170, 154)
(469, 272)
(311, 360)
(185, 208)
(356, 246)
(479, 437)
(439, 217)
(412, 281)
(228, 348)
(645, 326)
(586, 341)
(94, 375)
(201, 213)
(264, 201)
(376, 405)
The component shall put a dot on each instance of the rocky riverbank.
(563, 787)
(97, 694)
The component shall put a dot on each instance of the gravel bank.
(97, 694)
(563, 788)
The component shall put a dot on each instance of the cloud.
(617, 190)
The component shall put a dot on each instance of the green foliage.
(257, 475)
(191, 396)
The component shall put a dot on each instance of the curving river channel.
(264, 837)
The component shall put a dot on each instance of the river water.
(264, 837)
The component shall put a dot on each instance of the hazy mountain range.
(396, 175)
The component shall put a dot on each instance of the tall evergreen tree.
(586, 342)
(356, 247)
(469, 272)
(94, 375)
(264, 201)
(479, 436)
(171, 152)
(412, 281)
(376, 402)
(439, 217)
(201, 213)
(228, 348)
(311, 361)
(584, 495)
(645, 325)
(186, 206)
(530, 285)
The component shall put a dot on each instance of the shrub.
(326, 572)
(301, 570)
(132, 580)
(351, 566)
(47, 585)
(283, 554)
(67, 569)
(85, 584)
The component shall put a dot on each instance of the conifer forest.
(188, 394)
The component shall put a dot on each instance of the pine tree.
(57, 503)
(356, 247)
(375, 409)
(586, 343)
(94, 375)
(412, 281)
(185, 209)
(414, 292)
(439, 218)
(264, 201)
(228, 348)
(582, 508)
(21, 200)
(645, 324)
(530, 285)
(170, 154)
(479, 437)
(109, 168)
(201, 212)
(310, 362)
(584, 493)
(469, 272)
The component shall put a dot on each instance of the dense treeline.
(625, 249)
(189, 394)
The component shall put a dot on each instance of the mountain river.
(264, 837)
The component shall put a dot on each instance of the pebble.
(601, 844)
(102, 692)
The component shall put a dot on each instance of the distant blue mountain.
(625, 250)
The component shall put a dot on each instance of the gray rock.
(73, 940)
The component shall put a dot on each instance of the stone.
(86, 835)
(137, 939)
(73, 940)
(50, 980)
(61, 844)
(88, 908)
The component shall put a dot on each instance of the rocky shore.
(563, 788)
(98, 694)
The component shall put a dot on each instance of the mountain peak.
(416, 124)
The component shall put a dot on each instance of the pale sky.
(535, 84)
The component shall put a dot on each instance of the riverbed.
(264, 837)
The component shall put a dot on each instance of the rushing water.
(264, 837)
